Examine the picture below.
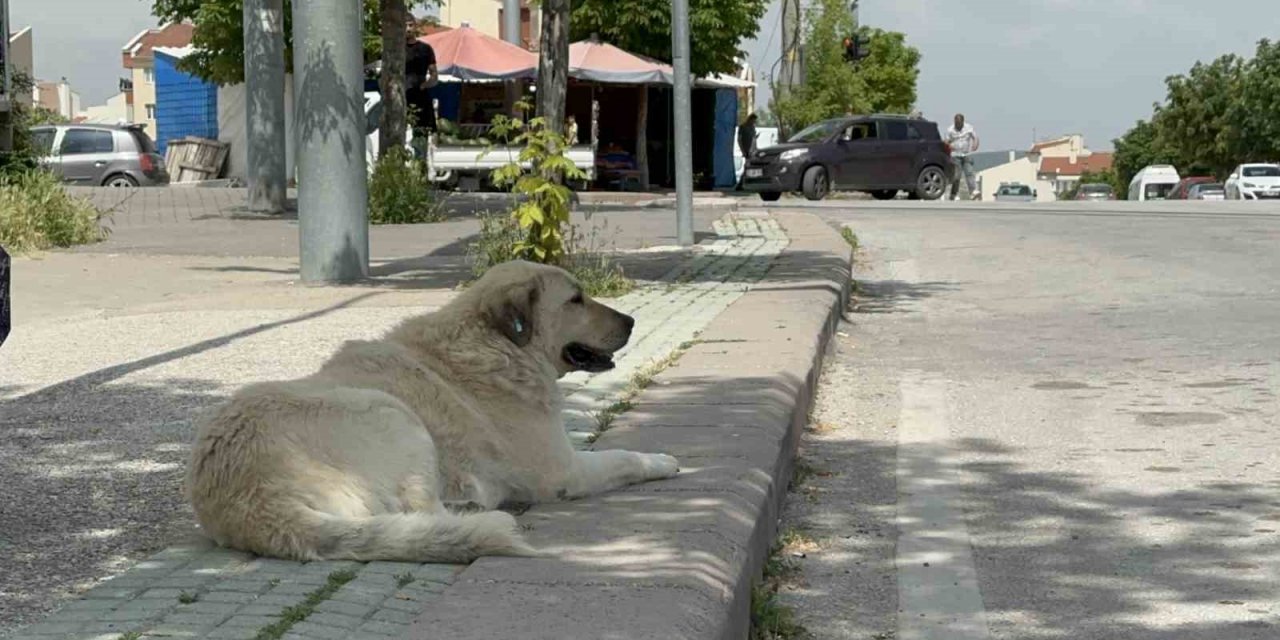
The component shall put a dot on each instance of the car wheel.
(770, 196)
(120, 180)
(884, 194)
(816, 183)
(931, 184)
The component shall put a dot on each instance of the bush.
(36, 213)
(399, 192)
(584, 257)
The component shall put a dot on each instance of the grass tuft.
(297, 613)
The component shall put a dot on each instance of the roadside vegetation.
(1214, 117)
(400, 193)
(36, 213)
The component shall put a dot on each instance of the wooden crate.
(195, 159)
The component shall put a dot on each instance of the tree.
(1199, 126)
(644, 27)
(884, 81)
(394, 19)
(1257, 107)
(553, 63)
(1137, 148)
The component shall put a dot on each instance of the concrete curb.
(677, 559)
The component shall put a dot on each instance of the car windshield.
(1208, 187)
(1019, 190)
(1159, 191)
(816, 132)
(1261, 172)
(1096, 188)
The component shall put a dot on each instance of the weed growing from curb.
(640, 380)
(297, 613)
(770, 619)
(132, 635)
(849, 237)
(404, 579)
(188, 598)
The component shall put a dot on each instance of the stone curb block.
(677, 558)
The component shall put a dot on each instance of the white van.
(1155, 182)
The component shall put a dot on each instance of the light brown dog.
(357, 461)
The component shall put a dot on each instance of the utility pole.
(264, 103)
(328, 87)
(683, 122)
(511, 28)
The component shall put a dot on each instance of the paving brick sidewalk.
(201, 592)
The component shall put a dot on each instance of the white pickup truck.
(466, 165)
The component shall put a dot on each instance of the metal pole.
(511, 27)
(328, 89)
(264, 103)
(683, 122)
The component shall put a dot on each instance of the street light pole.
(328, 87)
(511, 28)
(264, 104)
(683, 122)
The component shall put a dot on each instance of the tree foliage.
(718, 28)
(1213, 118)
(884, 82)
(219, 35)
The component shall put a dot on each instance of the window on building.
(149, 75)
(151, 112)
(78, 141)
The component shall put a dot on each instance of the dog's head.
(543, 309)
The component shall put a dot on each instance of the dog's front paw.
(658, 466)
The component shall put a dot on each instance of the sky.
(1016, 68)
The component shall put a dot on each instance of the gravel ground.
(844, 506)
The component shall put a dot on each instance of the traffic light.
(856, 48)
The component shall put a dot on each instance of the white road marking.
(938, 595)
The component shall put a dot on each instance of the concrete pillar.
(333, 215)
(683, 121)
(264, 104)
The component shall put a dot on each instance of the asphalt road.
(1052, 421)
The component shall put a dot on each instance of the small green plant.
(132, 635)
(404, 579)
(599, 275)
(188, 598)
(297, 613)
(399, 191)
(605, 418)
(543, 201)
(849, 237)
(770, 619)
(37, 213)
(496, 243)
(274, 582)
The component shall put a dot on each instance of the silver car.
(100, 155)
(1015, 192)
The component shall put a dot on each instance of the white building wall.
(232, 128)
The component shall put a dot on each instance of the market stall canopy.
(593, 61)
(470, 55)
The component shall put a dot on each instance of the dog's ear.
(511, 313)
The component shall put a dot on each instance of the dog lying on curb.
(357, 461)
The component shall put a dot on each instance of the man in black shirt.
(420, 76)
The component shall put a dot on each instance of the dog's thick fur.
(357, 461)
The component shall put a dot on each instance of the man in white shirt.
(964, 141)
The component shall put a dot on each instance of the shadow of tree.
(894, 296)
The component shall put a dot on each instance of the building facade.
(138, 58)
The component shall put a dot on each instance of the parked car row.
(1250, 181)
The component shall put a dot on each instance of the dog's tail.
(416, 537)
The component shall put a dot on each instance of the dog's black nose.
(629, 321)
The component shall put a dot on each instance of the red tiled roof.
(173, 35)
(1064, 167)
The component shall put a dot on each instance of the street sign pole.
(333, 218)
(683, 122)
(511, 31)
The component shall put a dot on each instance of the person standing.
(964, 142)
(420, 76)
(747, 136)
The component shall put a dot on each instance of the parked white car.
(1254, 182)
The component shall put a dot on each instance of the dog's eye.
(577, 299)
